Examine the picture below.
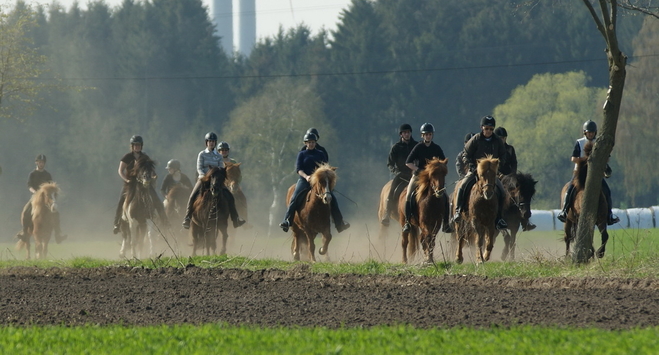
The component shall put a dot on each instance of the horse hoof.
(322, 251)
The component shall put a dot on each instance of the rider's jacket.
(208, 159)
(511, 160)
(169, 182)
(478, 147)
(398, 156)
(36, 178)
(308, 160)
(420, 153)
(319, 148)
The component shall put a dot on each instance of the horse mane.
(487, 164)
(233, 172)
(523, 184)
(42, 198)
(143, 163)
(323, 171)
(435, 165)
(209, 174)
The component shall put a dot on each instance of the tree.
(21, 65)
(266, 131)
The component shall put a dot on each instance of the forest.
(155, 68)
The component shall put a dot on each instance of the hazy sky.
(270, 14)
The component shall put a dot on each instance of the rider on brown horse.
(461, 164)
(174, 177)
(483, 144)
(589, 132)
(125, 166)
(37, 177)
(424, 151)
(207, 159)
(396, 163)
(511, 169)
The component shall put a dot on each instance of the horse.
(210, 214)
(44, 219)
(139, 206)
(313, 216)
(477, 223)
(431, 202)
(520, 189)
(393, 213)
(176, 202)
(232, 182)
(570, 227)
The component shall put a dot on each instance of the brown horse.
(570, 227)
(520, 189)
(44, 220)
(393, 213)
(313, 216)
(477, 223)
(139, 206)
(431, 202)
(210, 214)
(232, 182)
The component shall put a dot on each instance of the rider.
(37, 177)
(461, 165)
(339, 223)
(174, 177)
(423, 151)
(207, 159)
(396, 163)
(224, 149)
(511, 168)
(589, 132)
(482, 144)
(126, 165)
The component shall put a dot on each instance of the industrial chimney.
(246, 26)
(221, 13)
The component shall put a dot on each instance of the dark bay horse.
(313, 216)
(210, 214)
(232, 182)
(520, 189)
(44, 210)
(570, 227)
(431, 203)
(139, 206)
(477, 223)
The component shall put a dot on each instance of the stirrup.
(457, 217)
(284, 225)
(406, 227)
(186, 223)
(501, 224)
(613, 219)
(562, 216)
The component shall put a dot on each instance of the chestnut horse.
(570, 227)
(429, 212)
(210, 214)
(477, 223)
(313, 216)
(232, 182)
(393, 213)
(520, 189)
(44, 210)
(139, 206)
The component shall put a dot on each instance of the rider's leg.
(300, 186)
(119, 210)
(468, 182)
(26, 221)
(396, 187)
(527, 225)
(233, 212)
(567, 201)
(500, 222)
(191, 200)
(411, 187)
(611, 218)
(339, 223)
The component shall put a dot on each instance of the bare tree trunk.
(606, 135)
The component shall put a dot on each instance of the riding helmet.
(488, 121)
(174, 164)
(501, 132)
(211, 136)
(314, 131)
(136, 140)
(223, 145)
(589, 126)
(404, 127)
(427, 128)
(310, 137)
(40, 157)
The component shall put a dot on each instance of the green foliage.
(544, 119)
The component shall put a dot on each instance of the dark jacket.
(461, 164)
(169, 182)
(398, 155)
(478, 147)
(36, 178)
(321, 148)
(511, 160)
(421, 153)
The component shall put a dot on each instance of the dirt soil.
(136, 296)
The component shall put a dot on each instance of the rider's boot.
(562, 216)
(612, 219)
(527, 225)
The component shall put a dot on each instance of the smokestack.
(222, 17)
(247, 26)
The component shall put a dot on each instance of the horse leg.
(459, 258)
(225, 237)
(490, 234)
(327, 238)
(312, 245)
(428, 245)
(405, 240)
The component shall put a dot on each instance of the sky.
(270, 14)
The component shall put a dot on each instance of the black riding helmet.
(589, 126)
(310, 137)
(488, 121)
(223, 145)
(174, 164)
(40, 157)
(314, 131)
(427, 128)
(136, 140)
(501, 132)
(405, 127)
(210, 136)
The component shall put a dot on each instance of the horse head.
(323, 181)
(46, 196)
(233, 176)
(487, 176)
(144, 171)
(433, 177)
(521, 188)
(215, 178)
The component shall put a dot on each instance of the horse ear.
(237, 164)
(334, 168)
